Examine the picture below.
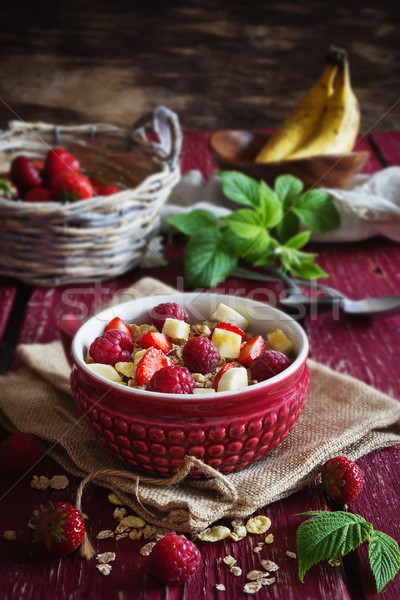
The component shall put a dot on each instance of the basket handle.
(165, 124)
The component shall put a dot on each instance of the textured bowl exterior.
(228, 431)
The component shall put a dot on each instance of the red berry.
(58, 528)
(230, 327)
(342, 479)
(24, 174)
(108, 190)
(111, 347)
(19, 452)
(251, 350)
(71, 186)
(200, 355)
(37, 195)
(157, 340)
(169, 310)
(117, 323)
(174, 559)
(153, 360)
(58, 160)
(268, 364)
(171, 380)
(222, 370)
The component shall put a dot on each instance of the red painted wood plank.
(389, 145)
(7, 299)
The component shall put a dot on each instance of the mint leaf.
(307, 269)
(384, 558)
(270, 206)
(288, 187)
(240, 188)
(299, 240)
(208, 259)
(257, 249)
(317, 211)
(245, 223)
(288, 226)
(193, 222)
(329, 535)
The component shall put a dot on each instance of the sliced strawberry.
(251, 349)
(153, 360)
(230, 327)
(117, 323)
(157, 340)
(222, 370)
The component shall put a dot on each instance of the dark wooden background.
(217, 63)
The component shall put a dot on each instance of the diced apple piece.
(176, 329)
(278, 340)
(227, 343)
(106, 371)
(233, 379)
(203, 391)
(227, 314)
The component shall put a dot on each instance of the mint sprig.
(333, 534)
(265, 232)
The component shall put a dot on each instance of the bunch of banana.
(326, 120)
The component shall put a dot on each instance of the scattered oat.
(113, 498)
(257, 549)
(160, 533)
(133, 521)
(239, 532)
(236, 523)
(291, 554)
(267, 581)
(214, 534)
(229, 560)
(255, 575)
(269, 565)
(220, 587)
(147, 548)
(252, 587)
(10, 535)
(258, 524)
(119, 513)
(135, 534)
(40, 483)
(105, 533)
(149, 532)
(120, 536)
(236, 571)
(105, 569)
(106, 557)
(334, 562)
(120, 528)
(269, 539)
(59, 482)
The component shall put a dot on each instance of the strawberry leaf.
(208, 259)
(240, 188)
(384, 558)
(329, 535)
(193, 222)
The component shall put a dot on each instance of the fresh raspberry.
(268, 364)
(342, 479)
(19, 452)
(174, 559)
(171, 380)
(117, 323)
(200, 355)
(111, 347)
(169, 310)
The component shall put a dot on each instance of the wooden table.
(365, 349)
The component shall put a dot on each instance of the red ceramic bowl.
(227, 430)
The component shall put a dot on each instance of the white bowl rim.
(107, 314)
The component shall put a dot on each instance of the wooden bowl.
(237, 149)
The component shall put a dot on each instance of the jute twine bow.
(87, 551)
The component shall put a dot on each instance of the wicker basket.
(57, 243)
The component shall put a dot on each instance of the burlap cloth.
(342, 416)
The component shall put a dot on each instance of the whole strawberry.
(174, 559)
(58, 528)
(342, 479)
(71, 186)
(24, 174)
(19, 452)
(58, 160)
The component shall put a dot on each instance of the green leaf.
(245, 223)
(329, 535)
(317, 211)
(384, 558)
(308, 270)
(253, 250)
(288, 187)
(193, 222)
(271, 208)
(208, 260)
(288, 226)
(240, 188)
(299, 240)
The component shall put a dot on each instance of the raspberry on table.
(111, 347)
(169, 310)
(268, 364)
(19, 452)
(342, 479)
(171, 380)
(200, 355)
(174, 559)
